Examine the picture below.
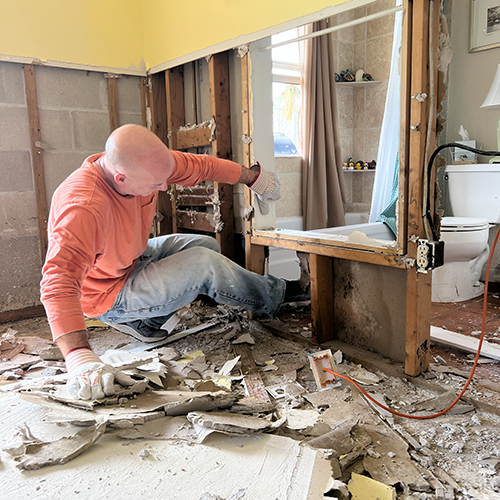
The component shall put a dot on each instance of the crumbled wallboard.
(37, 453)
(232, 423)
(364, 488)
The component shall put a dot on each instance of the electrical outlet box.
(430, 254)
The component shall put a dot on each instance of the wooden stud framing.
(175, 108)
(415, 79)
(255, 255)
(37, 157)
(156, 110)
(114, 120)
(321, 298)
(144, 101)
(218, 68)
(419, 290)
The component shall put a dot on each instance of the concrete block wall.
(74, 123)
(19, 240)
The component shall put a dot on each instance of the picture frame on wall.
(484, 25)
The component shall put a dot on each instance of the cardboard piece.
(364, 488)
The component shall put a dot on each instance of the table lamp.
(492, 101)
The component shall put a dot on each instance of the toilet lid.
(457, 224)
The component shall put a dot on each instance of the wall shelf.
(359, 84)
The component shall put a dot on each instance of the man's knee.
(210, 243)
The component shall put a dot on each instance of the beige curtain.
(324, 196)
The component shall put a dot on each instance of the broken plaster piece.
(300, 419)
(243, 50)
(362, 376)
(232, 423)
(229, 366)
(290, 389)
(38, 454)
(360, 238)
(246, 338)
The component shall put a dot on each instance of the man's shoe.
(295, 293)
(140, 331)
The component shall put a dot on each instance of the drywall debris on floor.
(232, 391)
(32, 453)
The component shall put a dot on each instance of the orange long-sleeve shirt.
(96, 237)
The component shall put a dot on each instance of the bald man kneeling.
(102, 264)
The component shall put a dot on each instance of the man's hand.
(266, 186)
(89, 377)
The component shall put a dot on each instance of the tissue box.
(464, 156)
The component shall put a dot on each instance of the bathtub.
(285, 264)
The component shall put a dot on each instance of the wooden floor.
(466, 318)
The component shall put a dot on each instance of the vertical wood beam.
(114, 120)
(37, 156)
(174, 87)
(218, 68)
(255, 258)
(156, 98)
(174, 94)
(158, 105)
(322, 314)
(404, 125)
(145, 102)
(418, 291)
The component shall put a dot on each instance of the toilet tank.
(474, 190)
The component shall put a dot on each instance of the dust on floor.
(195, 434)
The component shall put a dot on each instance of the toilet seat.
(463, 224)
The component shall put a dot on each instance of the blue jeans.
(175, 269)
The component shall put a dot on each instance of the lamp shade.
(492, 100)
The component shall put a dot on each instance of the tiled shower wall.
(367, 46)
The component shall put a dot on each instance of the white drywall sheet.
(267, 466)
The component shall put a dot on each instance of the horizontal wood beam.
(28, 312)
(194, 220)
(194, 138)
(361, 255)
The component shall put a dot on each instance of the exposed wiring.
(469, 380)
(427, 198)
(427, 178)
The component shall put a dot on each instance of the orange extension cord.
(425, 417)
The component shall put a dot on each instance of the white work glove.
(90, 378)
(266, 186)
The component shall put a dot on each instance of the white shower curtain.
(389, 135)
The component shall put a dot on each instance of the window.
(287, 99)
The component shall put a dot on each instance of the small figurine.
(367, 77)
(337, 77)
(372, 164)
(344, 166)
(347, 75)
(365, 165)
(359, 165)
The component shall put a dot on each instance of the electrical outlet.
(430, 254)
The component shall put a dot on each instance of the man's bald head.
(137, 161)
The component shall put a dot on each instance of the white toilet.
(474, 192)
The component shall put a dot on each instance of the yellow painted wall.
(122, 34)
(175, 28)
(103, 33)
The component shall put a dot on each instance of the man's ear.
(119, 178)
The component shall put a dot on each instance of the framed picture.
(484, 25)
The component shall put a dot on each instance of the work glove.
(89, 377)
(266, 186)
